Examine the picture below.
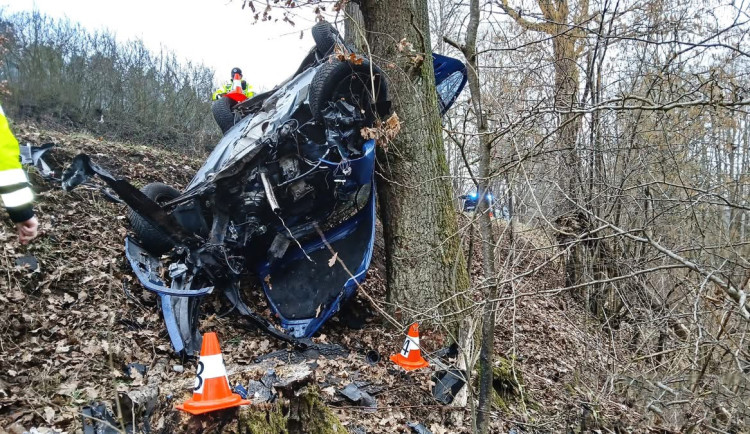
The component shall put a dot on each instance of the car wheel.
(223, 115)
(151, 238)
(324, 35)
(338, 80)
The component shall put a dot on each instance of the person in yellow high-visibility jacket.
(246, 88)
(15, 190)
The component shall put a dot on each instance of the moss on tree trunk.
(304, 412)
(507, 382)
(425, 264)
(308, 414)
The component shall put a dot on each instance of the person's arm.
(15, 190)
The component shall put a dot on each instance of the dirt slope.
(69, 329)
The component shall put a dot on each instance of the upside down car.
(289, 186)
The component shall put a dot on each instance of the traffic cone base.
(211, 391)
(409, 365)
(200, 407)
(410, 357)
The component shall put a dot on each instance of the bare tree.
(424, 260)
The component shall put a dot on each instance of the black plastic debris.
(47, 167)
(340, 118)
(132, 368)
(34, 155)
(450, 352)
(262, 391)
(372, 357)
(28, 262)
(238, 389)
(447, 384)
(98, 419)
(372, 389)
(312, 352)
(138, 406)
(269, 378)
(418, 428)
(358, 396)
(257, 392)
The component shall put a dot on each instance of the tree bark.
(354, 27)
(425, 264)
(487, 343)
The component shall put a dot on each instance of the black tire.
(336, 80)
(151, 238)
(324, 35)
(223, 114)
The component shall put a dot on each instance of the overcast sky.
(218, 33)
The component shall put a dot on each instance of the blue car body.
(288, 194)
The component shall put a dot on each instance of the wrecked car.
(287, 192)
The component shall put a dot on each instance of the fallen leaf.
(67, 388)
(49, 415)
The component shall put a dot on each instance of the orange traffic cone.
(410, 357)
(211, 390)
(236, 84)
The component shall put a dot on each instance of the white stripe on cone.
(209, 367)
(410, 344)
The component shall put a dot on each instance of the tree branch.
(523, 22)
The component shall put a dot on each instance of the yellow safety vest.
(228, 87)
(14, 186)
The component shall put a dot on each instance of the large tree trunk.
(424, 260)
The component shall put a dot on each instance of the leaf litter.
(73, 325)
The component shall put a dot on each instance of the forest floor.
(69, 328)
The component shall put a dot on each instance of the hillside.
(71, 327)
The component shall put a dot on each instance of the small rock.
(178, 368)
